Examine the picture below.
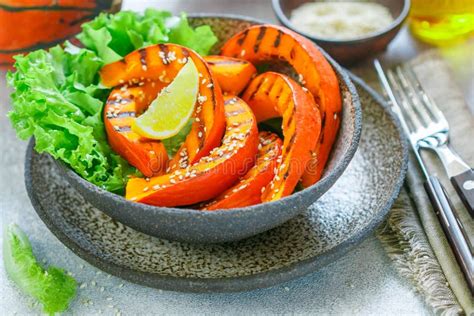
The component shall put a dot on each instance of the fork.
(432, 129)
(420, 129)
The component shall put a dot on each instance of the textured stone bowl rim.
(321, 186)
(234, 284)
(282, 17)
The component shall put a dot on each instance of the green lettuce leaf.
(53, 288)
(114, 36)
(200, 39)
(58, 98)
(58, 101)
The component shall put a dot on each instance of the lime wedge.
(173, 106)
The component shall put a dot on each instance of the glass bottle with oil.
(442, 22)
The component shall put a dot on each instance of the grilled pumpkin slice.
(270, 42)
(161, 63)
(212, 174)
(123, 106)
(248, 190)
(270, 95)
(232, 74)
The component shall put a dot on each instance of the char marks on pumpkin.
(277, 41)
(260, 36)
(241, 40)
(163, 48)
(143, 54)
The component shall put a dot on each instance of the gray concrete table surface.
(364, 282)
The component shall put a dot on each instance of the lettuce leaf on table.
(58, 98)
(53, 288)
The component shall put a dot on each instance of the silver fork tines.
(425, 121)
(428, 128)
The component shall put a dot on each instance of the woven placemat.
(412, 235)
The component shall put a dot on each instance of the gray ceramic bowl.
(228, 225)
(349, 51)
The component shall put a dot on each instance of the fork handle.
(464, 185)
(452, 227)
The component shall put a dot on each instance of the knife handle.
(464, 185)
(452, 227)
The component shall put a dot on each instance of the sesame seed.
(145, 189)
(242, 53)
(201, 99)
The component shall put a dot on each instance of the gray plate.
(348, 212)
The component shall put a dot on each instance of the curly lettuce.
(114, 36)
(53, 288)
(58, 98)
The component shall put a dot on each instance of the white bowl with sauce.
(346, 47)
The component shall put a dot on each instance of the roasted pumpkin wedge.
(272, 94)
(269, 42)
(161, 63)
(212, 174)
(248, 190)
(123, 106)
(232, 74)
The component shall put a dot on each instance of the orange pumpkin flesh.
(248, 190)
(210, 175)
(272, 94)
(232, 74)
(160, 64)
(269, 42)
(123, 106)
(27, 25)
